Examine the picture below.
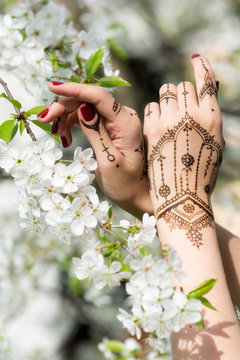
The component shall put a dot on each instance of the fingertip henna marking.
(168, 95)
(116, 107)
(149, 112)
(208, 87)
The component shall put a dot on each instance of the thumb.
(108, 156)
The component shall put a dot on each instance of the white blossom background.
(155, 34)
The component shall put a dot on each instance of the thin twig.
(116, 240)
(26, 123)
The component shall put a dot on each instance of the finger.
(92, 126)
(105, 104)
(187, 100)
(66, 136)
(151, 118)
(205, 81)
(168, 99)
(58, 108)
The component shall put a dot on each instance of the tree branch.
(26, 123)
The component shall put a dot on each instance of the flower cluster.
(54, 197)
(155, 307)
(37, 48)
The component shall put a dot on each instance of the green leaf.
(21, 126)
(15, 129)
(200, 324)
(78, 61)
(47, 128)
(12, 101)
(207, 303)
(117, 49)
(202, 289)
(115, 346)
(109, 215)
(94, 61)
(6, 130)
(143, 251)
(112, 81)
(35, 110)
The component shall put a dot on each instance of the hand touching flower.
(115, 134)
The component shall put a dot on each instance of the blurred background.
(47, 313)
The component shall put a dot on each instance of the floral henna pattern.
(184, 203)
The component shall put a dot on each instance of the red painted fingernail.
(88, 112)
(55, 126)
(56, 83)
(217, 84)
(195, 55)
(64, 141)
(43, 114)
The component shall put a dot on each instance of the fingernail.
(43, 114)
(56, 83)
(64, 141)
(88, 112)
(55, 126)
(195, 56)
(217, 84)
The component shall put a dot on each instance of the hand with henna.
(114, 132)
(185, 146)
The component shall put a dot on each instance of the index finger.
(105, 104)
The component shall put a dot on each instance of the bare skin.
(121, 132)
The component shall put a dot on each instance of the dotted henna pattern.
(185, 205)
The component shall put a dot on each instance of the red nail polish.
(217, 84)
(55, 126)
(64, 141)
(88, 112)
(56, 83)
(195, 56)
(43, 114)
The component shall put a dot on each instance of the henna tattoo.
(184, 93)
(116, 107)
(149, 112)
(168, 95)
(208, 87)
(141, 150)
(96, 127)
(186, 205)
(110, 156)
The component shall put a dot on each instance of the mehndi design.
(184, 203)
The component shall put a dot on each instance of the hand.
(184, 150)
(114, 131)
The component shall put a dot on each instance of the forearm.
(229, 246)
(221, 331)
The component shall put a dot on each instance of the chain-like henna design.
(116, 107)
(187, 205)
(168, 95)
(208, 87)
(184, 93)
(96, 127)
